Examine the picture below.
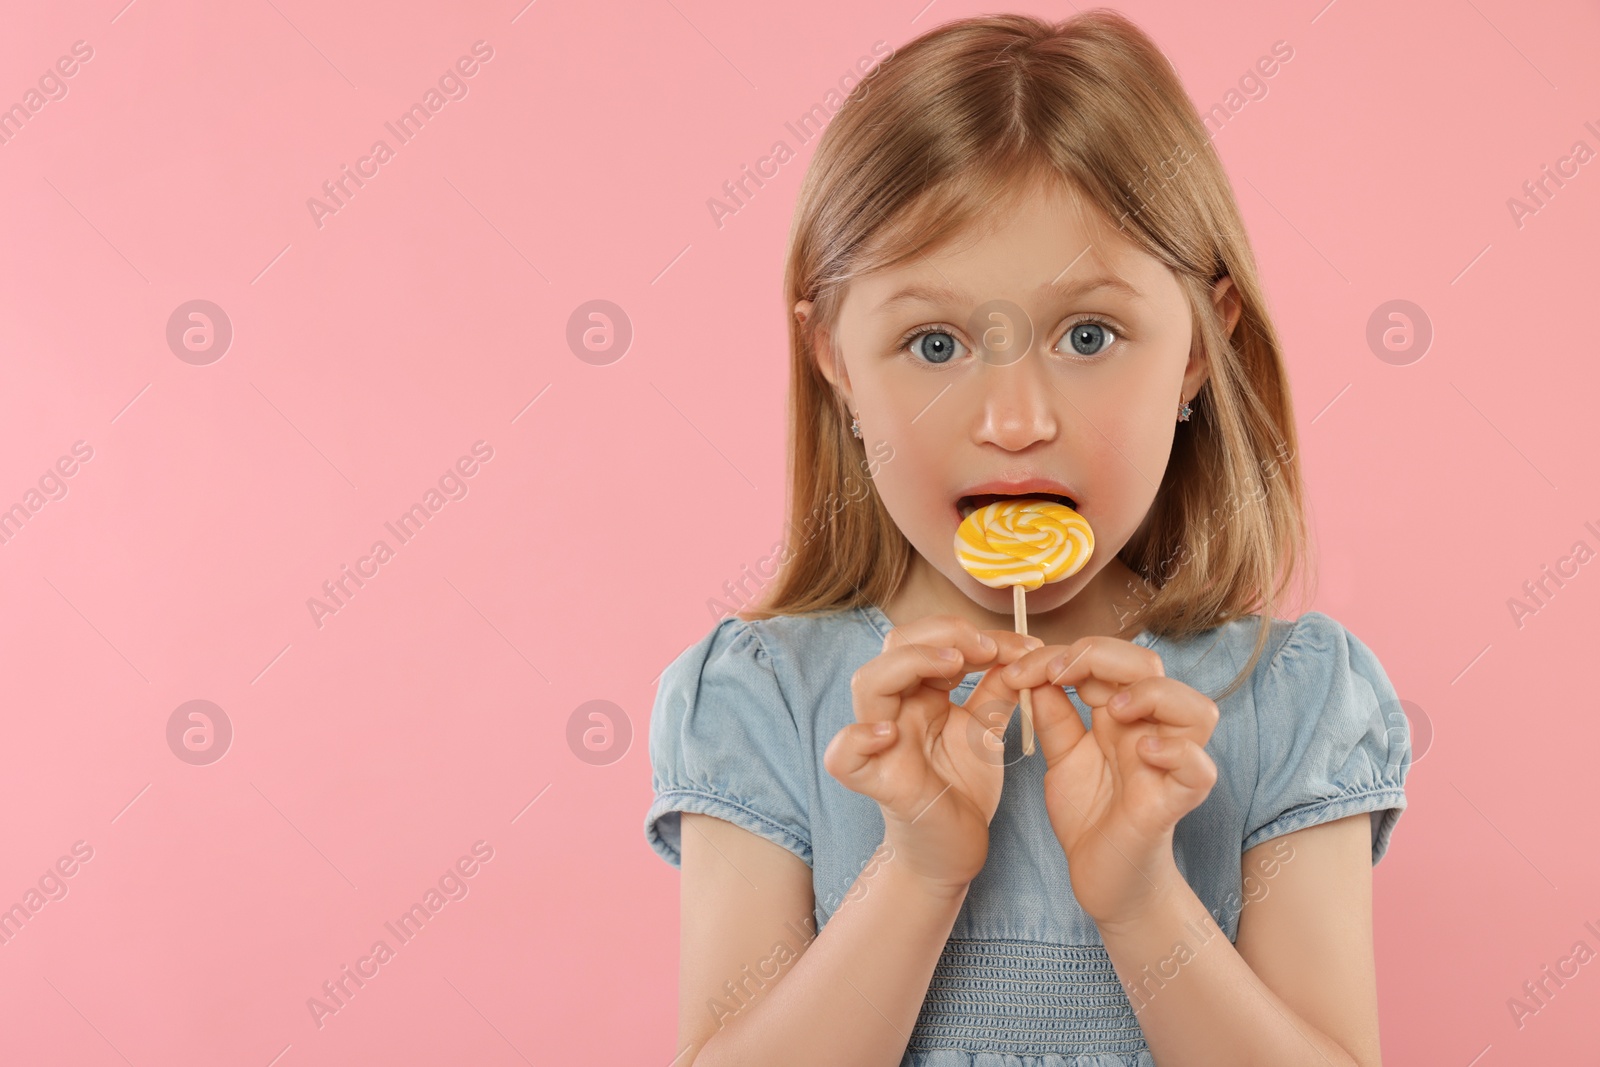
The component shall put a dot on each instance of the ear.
(1225, 298)
(829, 362)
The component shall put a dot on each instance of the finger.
(1042, 666)
(982, 647)
(1109, 661)
(1169, 703)
(992, 701)
(1114, 740)
(849, 755)
(1013, 646)
(877, 687)
(1188, 764)
(944, 631)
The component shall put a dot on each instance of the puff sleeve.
(1333, 739)
(723, 742)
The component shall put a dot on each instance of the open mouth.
(968, 504)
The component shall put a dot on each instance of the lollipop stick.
(1019, 606)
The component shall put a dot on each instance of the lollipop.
(1023, 542)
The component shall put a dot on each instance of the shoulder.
(724, 741)
(778, 659)
(727, 660)
(1322, 672)
(791, 638)
(1332, 737)
(1294, 653)
(794, 648)
(1313, 654)
(1211, 660)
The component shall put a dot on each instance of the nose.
(1018, 404)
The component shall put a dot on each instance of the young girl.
(1017, 269)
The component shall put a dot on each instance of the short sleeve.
(1334, 740)
(723, 742)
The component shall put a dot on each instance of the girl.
(1017, 268)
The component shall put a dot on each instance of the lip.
(1024, 487)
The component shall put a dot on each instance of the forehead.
(1047, 237)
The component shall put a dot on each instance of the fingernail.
(1056, 666)
(882, 728)
(1151, 744)
(1032, 642)
(986, 643)
(1120, 700)
(949, 654)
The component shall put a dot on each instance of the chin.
(1001, 601)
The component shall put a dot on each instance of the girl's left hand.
(1112, 802)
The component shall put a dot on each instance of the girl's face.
(1047, 355)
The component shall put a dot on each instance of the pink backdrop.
(185, 494)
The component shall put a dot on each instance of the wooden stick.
(1019, 605)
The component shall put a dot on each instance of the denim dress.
(743, 716)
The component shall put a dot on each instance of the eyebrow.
(935, 294)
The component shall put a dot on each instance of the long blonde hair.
(943, 130)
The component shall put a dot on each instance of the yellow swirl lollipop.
(1023, 542)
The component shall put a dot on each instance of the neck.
(1093, 610)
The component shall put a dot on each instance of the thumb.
(850, 754)
(1056, 723)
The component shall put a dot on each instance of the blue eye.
(932, 344)
(1090, 337)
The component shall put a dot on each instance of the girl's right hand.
(938, 770)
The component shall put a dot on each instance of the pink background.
(432, 710)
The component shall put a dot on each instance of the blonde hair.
(944, 129)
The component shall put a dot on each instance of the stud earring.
(855, 428)
(1184, 411)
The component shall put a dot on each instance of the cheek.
(1128, 443)
(911, 484)
(1140, 437)
(894, 409)
(903, 407)
(1130, 473)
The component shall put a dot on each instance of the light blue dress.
(743, 716)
